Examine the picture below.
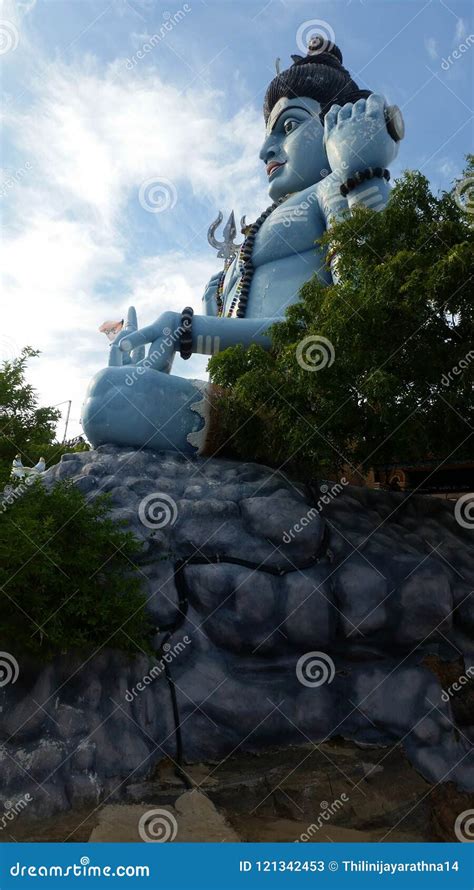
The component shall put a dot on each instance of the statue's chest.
(292, 228)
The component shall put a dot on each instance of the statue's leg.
(143, 408)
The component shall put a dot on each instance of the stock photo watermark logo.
(462, 680)
(169, 654)
(12, 809)
(327, 811)
(464, 194)
(457, 53)
(9, 669)
(464, 510)
(157, 510)
(157, 827)
(314, 353)
(169, 338)
(9, 37)
(464, 827)
(315, 36)
(157, 195)
(170, 22)
(11, 180)
(13, 493)
(287, 216)
(457, 370)
(315, 669)
(327, 495)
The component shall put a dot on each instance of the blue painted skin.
(136, 401)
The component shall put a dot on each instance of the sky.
(115, 158)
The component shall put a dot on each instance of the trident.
(226, 249)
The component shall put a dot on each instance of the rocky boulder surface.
(284, 617)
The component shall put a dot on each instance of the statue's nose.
(269, 149)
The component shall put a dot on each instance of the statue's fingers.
(132, 322)
(330, 119)
(358, 108)
(137, 338)
(138, 354)
(345, 112)
(375, 105)
(115, 356)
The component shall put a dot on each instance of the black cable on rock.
(183, 605)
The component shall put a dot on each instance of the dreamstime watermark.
(464, 510)
(288, 215)
(9, 37)
(464, 194)
(458, 369)
(315, 36)
(9, 669)
(314, 353)
(14, 179)
(12, 493)
(464, 827)
(461, 681)
(328, 494)
(81, 869)
(157, 195)
(169, 654)
(9, 349)
(171, 20)
(327, 811)
(457, 53)
(315, 669)
(157, 510)
(157, 827)
(12, 809)
(169, 338)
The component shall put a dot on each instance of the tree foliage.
(67, 578)
(400, 322)
(25, 427)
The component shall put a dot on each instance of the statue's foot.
(137, 406)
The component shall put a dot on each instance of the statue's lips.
(273, 166)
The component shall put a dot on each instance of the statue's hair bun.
(320, 75)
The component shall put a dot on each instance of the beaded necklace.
(246, 268)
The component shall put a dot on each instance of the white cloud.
(91, 136)
(431, 47)
(461, 30)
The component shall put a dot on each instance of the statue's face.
(293, 151)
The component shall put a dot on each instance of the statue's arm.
(212, 335)
(209, 336)
(357, 138)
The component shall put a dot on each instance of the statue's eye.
(290, 124)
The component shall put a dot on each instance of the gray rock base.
(323, 635)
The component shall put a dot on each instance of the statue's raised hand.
(209, 297)
(356, 136)
(163, 336)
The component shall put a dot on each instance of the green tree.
(399, 324)
(25, 428)
(67, 577)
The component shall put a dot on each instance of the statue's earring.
(395, 122)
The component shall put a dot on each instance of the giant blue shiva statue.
(327, 147)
